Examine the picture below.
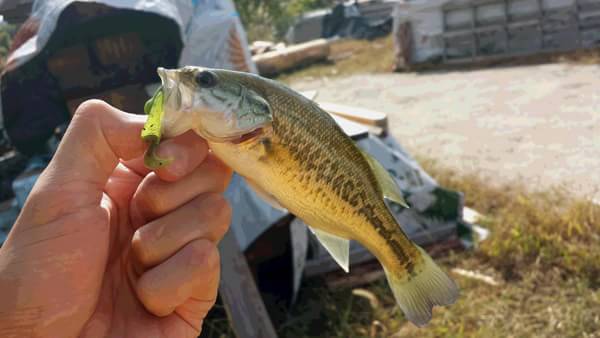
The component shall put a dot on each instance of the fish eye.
(206, 79)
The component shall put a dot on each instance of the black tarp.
(94, 51)
(346, 21)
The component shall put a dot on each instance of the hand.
(103, 247)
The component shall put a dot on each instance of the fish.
(295, 156)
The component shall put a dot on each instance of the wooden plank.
(360, 115)
(356, 122)
(365, 273)
(540, 8)
(489, 58)
(465, 4)
(589, 14)
(523, 23)
(277, 61)
(576, 8)
(310, 94)
(474, 42)
(244, 306)
(505, 28)
(481, 29)
(354, 130)
(444, 44)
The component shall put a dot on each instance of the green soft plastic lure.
(151, 133)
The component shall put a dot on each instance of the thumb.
(98, 136)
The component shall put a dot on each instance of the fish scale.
(295, 155)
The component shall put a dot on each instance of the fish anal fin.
(338, 247)
(265, 196)
(388, 185)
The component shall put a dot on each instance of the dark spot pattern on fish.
(267, 144)
(316, 162)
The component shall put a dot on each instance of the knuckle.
(153, 303)
(218, 215)
(152, 193)
(215, 201)
(91, 107)
(212, 258)
(140, 247)
(203, 252)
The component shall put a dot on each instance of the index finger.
(187, 151)
(98, 136)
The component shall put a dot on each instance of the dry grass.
(546, 229)
(349, 57)
(544, 251)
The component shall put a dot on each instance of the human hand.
(105, 248)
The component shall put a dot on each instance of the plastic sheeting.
(212, 31)
(109, 49)
(86, 49)
(49, 11)
(359, 20)
(216, 38)
(347, 21)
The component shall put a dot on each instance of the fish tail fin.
(428, 286)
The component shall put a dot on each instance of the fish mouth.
(170, 122)
(249, 136)
(171, 80)
(233, 139)
(168, 78)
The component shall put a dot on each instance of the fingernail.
(171, 150)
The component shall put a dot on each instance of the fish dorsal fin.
(388, 185)
(338, 248)
(267, 197)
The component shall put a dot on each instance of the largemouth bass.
(296, 157)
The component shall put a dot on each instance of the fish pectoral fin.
(388, 185)
(267, 197)
(338, 248)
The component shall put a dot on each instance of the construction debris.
(464, 31)
(476, 276)
(261, 47)
(277, 61)
(362, 19)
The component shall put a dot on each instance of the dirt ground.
(540, 124)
